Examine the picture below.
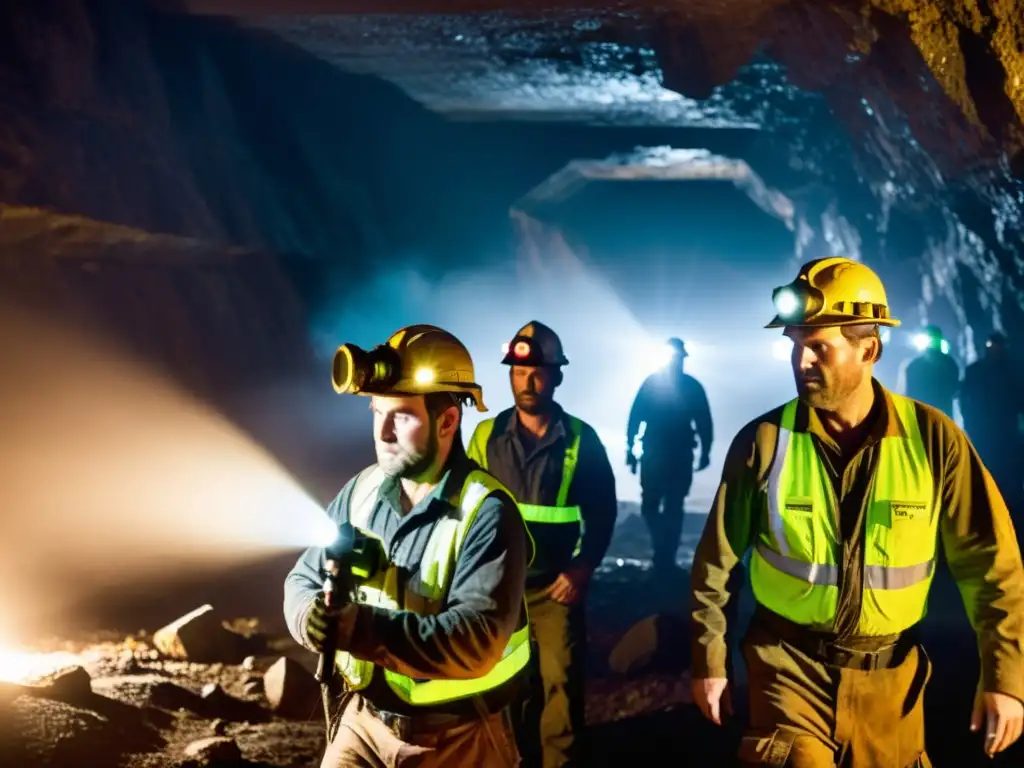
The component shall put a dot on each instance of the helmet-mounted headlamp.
(522, 351)
(357, 371)
(832, 292)
(798, 302)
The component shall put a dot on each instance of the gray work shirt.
(477, 618)
(531, 468)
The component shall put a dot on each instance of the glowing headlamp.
(798, 301)
(519, 351)
(424, 376)
(521, 348)
(786, 302)
(924, 340)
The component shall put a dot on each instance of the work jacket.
(424, 595)
(449, 605)
(563, 484)
(936, 490)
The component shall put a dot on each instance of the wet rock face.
(180, 303)
(894, 125)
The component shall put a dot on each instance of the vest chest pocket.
(901, 531)
(903, 513)
(800, 528)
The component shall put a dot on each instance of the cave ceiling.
(922, 100)
(955, 67)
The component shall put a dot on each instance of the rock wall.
(931, 95)
(216, 319)
(895, 127)
(204, 130)
(84, 120)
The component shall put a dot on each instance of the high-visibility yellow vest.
(560, 513)
(424, 593)
(795, 565)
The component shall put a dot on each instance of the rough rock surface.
(291, 690)
(200, 636)
(40, 731)
(644, 715)
(895, 125)
(180, 303)
(70, 685)
(925, 169)
(215, 749)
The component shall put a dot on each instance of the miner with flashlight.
(558, 470)
(417, 608)
(843, 497)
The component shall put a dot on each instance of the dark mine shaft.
(202, 200)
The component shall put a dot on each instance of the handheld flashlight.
(352, 558)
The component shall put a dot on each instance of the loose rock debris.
(130, 705)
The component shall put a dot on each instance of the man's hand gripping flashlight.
(351, 559)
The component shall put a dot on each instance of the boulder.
(291, 690)
(72, 684)
(166, 695)
(200, 637)
(214, 750)
(220, 704)
(219, 727)
(657, 642)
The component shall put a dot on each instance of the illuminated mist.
(610, 352)
(111, 478)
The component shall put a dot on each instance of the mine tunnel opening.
(673, 258)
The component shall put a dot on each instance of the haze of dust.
(109, 475)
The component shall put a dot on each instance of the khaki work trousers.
(551, 723)
(806, 714)
(363, 741)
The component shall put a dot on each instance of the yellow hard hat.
(416, 360)
(832, 291)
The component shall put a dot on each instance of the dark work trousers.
(808, 714)
(665, 479)
(551, 727)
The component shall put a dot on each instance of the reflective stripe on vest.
(424, 593)
(538, 513)
(795, 566)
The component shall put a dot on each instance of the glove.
(319, 621)
(631, 461)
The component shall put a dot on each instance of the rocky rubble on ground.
(144, 701)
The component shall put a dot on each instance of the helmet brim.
(832, 320)
(535, 362)
(411, 388)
